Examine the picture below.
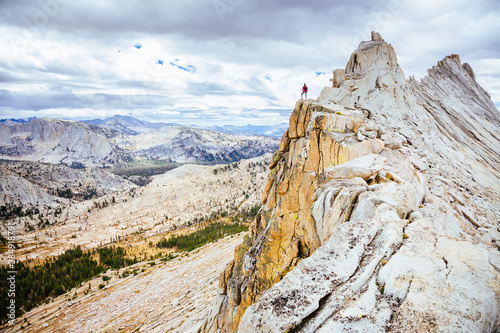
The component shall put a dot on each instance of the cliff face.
(381, 209)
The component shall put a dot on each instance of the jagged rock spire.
(376, 37)
(376, 62)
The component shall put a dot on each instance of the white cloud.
(78, 59)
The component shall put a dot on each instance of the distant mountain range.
(24, 120)
(128, 125)
(274, 130)
(190, 144)
(122, 139)
(133, 126)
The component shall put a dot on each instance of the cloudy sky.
(218, 61)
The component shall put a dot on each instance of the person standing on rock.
(304, 91)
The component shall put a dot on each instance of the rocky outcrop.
(380, 210)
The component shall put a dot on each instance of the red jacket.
(304, 89)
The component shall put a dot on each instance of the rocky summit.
(380, 212)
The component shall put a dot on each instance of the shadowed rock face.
(380, 211)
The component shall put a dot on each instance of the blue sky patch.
(138, 46)
(320, 73)
(188, 68)
(159, 62)
(268, 78)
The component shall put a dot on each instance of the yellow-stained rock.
(307, 118)
(289, 202)
(307, 227)
(285, 142)
(293, 150)
(329, 150)
(306, 190)
(228, 272)
(337, 123)
(313, 158)
(269, 184)
(303, 118)
(283, 185)
(289, 223)
(271, 198)
(291, 252)
(294, 117)
(335, 152)
(285, 231)
(320, 121)
(275, 159)
(260, 224)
